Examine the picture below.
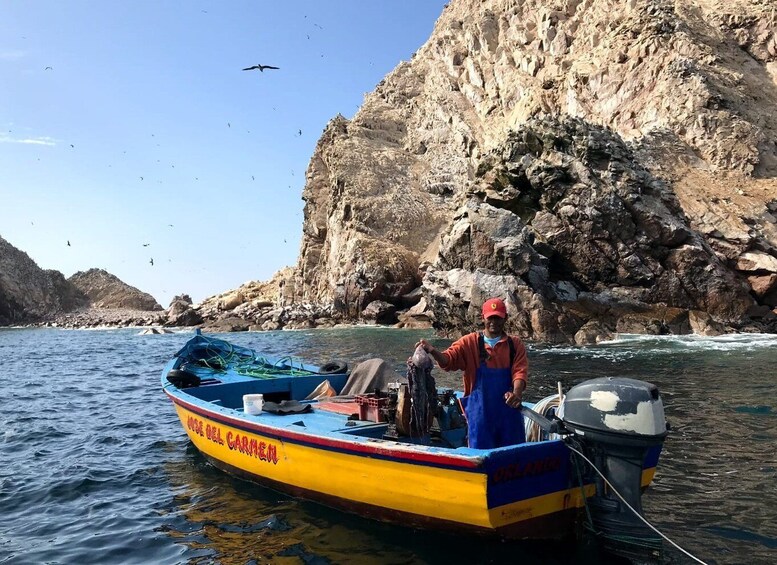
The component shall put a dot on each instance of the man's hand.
(513, 400)
(514, 397)
(437, 355)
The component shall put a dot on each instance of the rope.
(637, 514)
(582, 493)
(543, 407)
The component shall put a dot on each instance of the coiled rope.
(543, 407)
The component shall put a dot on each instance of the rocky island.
(605, 166)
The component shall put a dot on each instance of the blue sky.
(145, 139)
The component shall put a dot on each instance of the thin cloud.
(12, 55)
(29, 140)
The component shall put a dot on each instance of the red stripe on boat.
(418, 457)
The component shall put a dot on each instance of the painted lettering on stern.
(515, 514)
(253, 447)
(522, 470)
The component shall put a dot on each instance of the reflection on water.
(236, 522)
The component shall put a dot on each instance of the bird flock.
(256, 67)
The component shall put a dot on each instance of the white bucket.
(252, 403)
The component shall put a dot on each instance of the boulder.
(380, 312)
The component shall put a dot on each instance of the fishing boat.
(265, 419)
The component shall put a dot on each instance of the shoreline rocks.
(106, 317)
(647, 321)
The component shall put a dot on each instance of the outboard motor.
(618, 423)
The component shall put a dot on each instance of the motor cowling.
(619, 424)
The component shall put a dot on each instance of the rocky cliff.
(603, 165)
(29, 295)
(105, 290)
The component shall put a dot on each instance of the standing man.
(495, 371)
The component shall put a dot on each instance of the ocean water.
(95, 467)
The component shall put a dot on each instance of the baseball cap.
(494, 307)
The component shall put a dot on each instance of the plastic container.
(370, 407)
(253, 403)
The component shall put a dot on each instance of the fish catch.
(423, 392)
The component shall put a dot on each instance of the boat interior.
(223, 375)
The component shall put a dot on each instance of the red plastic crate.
(369, 407)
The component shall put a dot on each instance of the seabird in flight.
(152, 261)
(260, 67)
(68, 243)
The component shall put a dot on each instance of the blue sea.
(95, 467)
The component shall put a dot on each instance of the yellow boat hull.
(396, 483)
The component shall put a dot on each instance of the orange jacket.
(464, 355)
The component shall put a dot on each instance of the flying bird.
(49, 69)
(146, 244)
(68, 243)
(260, 67)
(152, 261)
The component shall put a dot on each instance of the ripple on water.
(95, 468)
(760, 409)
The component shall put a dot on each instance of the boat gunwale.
(397, 452)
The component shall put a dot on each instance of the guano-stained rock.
(601, 148)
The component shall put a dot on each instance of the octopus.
(423, 392)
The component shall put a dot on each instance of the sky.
(129, 132)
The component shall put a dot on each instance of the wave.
(726, 342)
(629, 346)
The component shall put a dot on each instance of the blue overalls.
(491, 422)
